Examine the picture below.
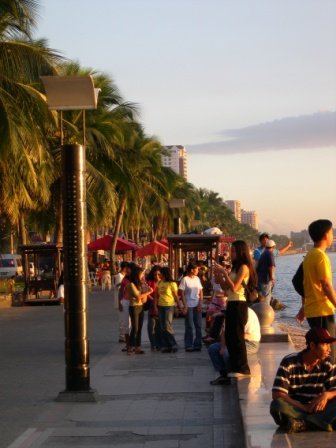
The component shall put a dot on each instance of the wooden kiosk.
(41, 269)
(184, 247)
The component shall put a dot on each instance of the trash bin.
(17, 298)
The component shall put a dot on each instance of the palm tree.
(23, 111)
(103, 127)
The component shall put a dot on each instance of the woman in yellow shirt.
(165, 300)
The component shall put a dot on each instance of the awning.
(105, 243)
(153, 248)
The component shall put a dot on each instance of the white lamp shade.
(70, 92)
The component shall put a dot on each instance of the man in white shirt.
(219, 354)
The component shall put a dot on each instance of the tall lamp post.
(74, 93)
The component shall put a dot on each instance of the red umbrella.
(153, 248)
(165, 242)
(105, 242)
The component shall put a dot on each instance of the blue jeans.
(154, 332)
(265, 289)
(193, 320)
(166, 314)
(222, 363)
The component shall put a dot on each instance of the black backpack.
(297, 280)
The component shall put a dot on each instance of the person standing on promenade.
(117, 279)
(219, 354)
(304, 389)
(124, 304)
(153, 326)
(165, 300)
(191, 292)
(242, 272)
(259, 250)
(319, 299)
(138, 295)
(266, 271)
(106, 276)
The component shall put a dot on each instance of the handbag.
(251, 292)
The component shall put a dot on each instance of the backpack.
(297, 280)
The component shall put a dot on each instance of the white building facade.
(234, 206)
(250, 217)
(176, 159)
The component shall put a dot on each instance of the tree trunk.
(22, 229)
(116, 230)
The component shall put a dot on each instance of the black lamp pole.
(74, 241)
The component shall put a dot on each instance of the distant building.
(234, 206)
(250, 218)
(176, 160)
(303, 235)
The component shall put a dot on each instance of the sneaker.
(295, 425)
(166, 350)
(174, 349)
(197, 349)
(238, 374)
(189, 349)
(220, 381)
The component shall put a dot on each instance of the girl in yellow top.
(166, 299)
(242, 273)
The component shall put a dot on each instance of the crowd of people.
(305, 385)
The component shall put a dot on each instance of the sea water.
(286, 266)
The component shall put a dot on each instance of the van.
(10, 265)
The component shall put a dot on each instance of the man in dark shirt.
(266, 271)
(304, 389)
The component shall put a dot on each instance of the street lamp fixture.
(74, 93)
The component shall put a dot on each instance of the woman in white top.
(191, 291)
(242, 275)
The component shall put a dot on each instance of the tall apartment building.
(176, 160)
(250, 218)
(234, 206)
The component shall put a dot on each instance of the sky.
(247, 86)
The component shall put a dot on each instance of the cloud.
(302, 132)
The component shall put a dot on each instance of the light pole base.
(86, 396)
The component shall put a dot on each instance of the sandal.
(139, 351)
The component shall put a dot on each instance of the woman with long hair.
(138, 295)
(166, 299)
(242, 275)
(153, 326)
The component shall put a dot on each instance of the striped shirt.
(302, 385)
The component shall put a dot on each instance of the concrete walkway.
(153, 400)
(160, 400)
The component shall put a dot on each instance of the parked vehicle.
(10, 265)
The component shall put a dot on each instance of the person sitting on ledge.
(304, 389)
(219, 354)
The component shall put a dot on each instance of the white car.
(10, 265)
